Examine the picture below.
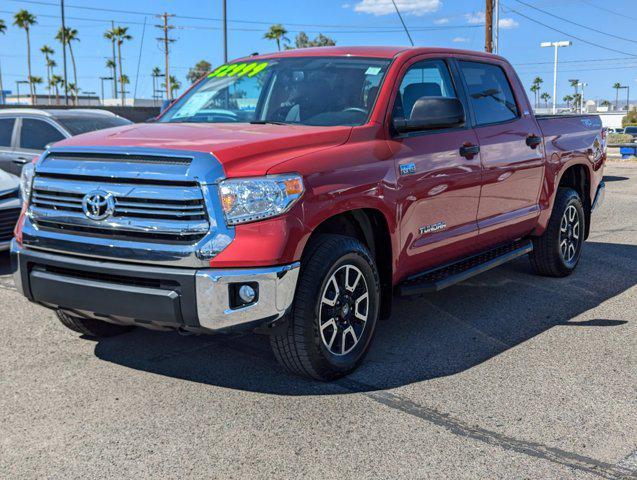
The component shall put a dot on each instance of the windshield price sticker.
(239, 69)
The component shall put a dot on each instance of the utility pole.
(66, 84)
(488, 28)
(225, 33)
(496, 28)
(165, 27)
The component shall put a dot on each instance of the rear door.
(511, 150)
(438, 187)
(34, 134)
(7, 144)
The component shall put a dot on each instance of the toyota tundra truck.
(296, 193)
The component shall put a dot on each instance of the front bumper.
(198, 300)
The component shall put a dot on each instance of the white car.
(10, 206)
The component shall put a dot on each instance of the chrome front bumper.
(151, 296)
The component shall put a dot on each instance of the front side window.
(430, 78)
(37, 134)
(303, 91)
(489, 92)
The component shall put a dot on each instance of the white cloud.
(475, 18)
(460, 40)
(441, 21)
(386, 7)
(508, 23)
(346, 5)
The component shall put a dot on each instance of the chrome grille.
(143, 209)
(8, 219)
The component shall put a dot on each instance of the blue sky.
(453, 23)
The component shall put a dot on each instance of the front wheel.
(331, 324)
(557, 251)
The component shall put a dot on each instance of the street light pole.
(581, 102)
(225, 33)
(555, 45)
(66, 84)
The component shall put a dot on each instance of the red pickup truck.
(295, 193)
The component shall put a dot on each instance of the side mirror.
(431, 113)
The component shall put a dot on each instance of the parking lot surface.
(508, 375)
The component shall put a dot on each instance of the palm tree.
(120, 34)
(568, 99)
(66, 38)
(111, 65)
(617, 86)
(537, 82)
(24, 19)
(3, 29)
(35, 81)
(56, 82)
(575, 84)
(605, 103)
(277, 33)
(546, 97)
(72, 87)
(174, 85)
(155, 73)
(46, 51)
(535, 88)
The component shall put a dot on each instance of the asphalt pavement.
(508, 375)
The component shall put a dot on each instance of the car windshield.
(83, 124)
(304, 91)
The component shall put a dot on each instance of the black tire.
(547, 257)
(91, 327)
(300, 344)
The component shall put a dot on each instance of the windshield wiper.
(268, 122)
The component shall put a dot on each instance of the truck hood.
(242, 149)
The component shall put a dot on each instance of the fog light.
(247, 294)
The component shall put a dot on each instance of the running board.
(442, 277)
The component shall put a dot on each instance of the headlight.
(249, 199)
(26, 181)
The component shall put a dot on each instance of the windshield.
(304, 91)
(78, 124)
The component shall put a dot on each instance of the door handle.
(21, 160)
(533, 141)
(469, 151)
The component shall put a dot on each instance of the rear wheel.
(91, 327)
(330, 327)
(556, 253)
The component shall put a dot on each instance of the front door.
(438, 188)
(511, 151)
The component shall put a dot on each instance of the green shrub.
(616, 138)
(630, 118)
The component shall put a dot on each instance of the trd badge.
(408, 168)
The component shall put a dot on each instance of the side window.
(489, 92)
(429, 78)
(6, 131)
(36, 134)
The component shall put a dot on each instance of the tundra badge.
(434, 227)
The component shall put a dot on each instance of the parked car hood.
(8, 182)
(243, 149)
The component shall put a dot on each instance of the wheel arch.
(578, 178)
(370, 227)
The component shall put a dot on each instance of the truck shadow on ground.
(427, 337)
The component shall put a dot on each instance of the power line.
(568, 34)
(575, 23)
(403, 22)
(256, 22)
(604, 9)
